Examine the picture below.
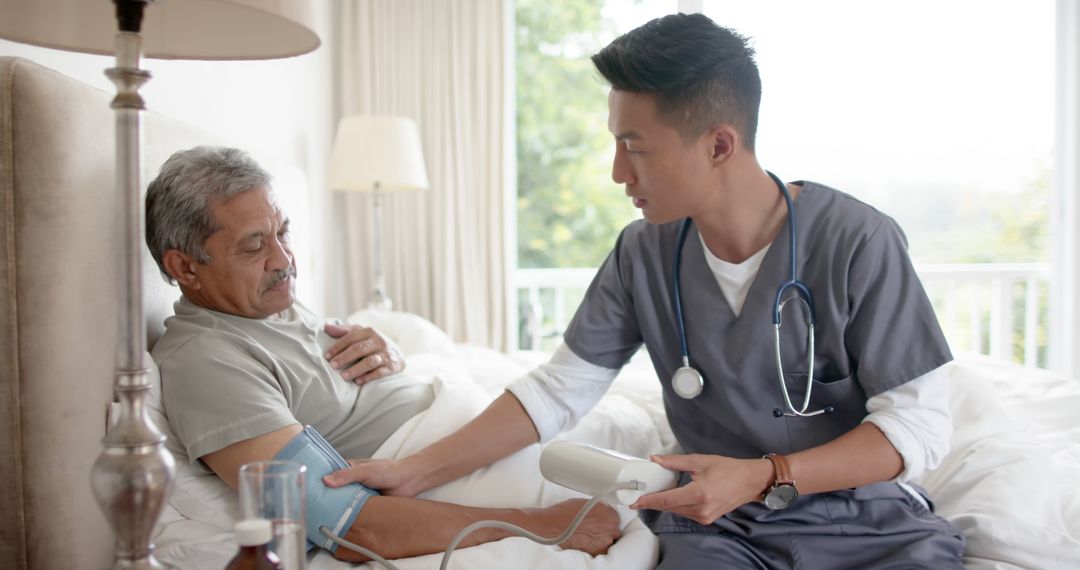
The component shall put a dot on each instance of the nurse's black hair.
(700, 74)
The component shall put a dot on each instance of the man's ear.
(181, 267)
(723, 140)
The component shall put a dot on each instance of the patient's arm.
(550, 399)
(226, 462)
(395, 527)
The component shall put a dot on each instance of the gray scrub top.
(875, 326)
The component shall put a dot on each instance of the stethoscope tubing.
(802, 293)
(678, 296)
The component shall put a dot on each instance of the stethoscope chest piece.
(687, 383)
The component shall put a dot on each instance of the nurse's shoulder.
(827, 213)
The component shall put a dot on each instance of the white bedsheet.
(1010, 482)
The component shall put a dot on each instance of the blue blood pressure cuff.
(336, 509)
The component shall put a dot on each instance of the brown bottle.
(254, 536)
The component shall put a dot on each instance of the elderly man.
(244, 366)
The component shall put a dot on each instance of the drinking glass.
(274, 490)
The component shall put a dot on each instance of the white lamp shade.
(171, 29)
(383, 150)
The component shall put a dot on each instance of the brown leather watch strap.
(781, 468)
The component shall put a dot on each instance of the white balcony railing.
(999, 309)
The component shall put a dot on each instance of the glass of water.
(274, 490)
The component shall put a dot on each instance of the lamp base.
(380, 301)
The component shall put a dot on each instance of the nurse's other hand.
(388, 476)
(362, 354)
(718, 486)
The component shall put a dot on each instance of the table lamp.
(132, 478)
(377, 154)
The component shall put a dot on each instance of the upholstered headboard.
(58, 301)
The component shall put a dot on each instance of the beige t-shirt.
(225, 379)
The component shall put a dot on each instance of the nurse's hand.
(719, 485)
(362, 354)
(388, 476)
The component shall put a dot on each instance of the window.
(939, 114)
(569, 211)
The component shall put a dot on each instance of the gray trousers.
(873, 527)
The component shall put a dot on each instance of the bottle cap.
(253, 532)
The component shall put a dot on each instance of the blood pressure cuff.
(336, 509)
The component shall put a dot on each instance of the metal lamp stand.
(379, 299)
(133, 476)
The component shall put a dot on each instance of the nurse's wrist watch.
(782, 492)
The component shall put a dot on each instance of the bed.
(1009, 482)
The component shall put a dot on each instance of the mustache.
(279, 275)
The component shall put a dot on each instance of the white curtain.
(440, 63)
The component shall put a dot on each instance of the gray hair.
(178, 200)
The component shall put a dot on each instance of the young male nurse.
(761, 488)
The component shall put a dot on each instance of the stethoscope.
(688, 382)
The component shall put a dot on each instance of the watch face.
(781, 496)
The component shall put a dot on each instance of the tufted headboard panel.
(58, 301)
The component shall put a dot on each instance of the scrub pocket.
(825, 390)
(844, 395)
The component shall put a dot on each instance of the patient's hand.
(362, 354)
(597, 532)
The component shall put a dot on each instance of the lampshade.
(383, 150)
(172, 29)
